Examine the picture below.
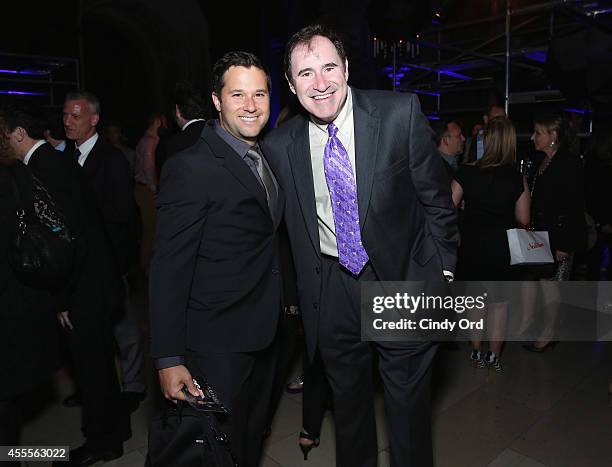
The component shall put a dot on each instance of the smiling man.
(367, 199)
(215, 282)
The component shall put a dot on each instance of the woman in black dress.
(557, 191)
(496, 198)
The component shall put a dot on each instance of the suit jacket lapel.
(301, 168)
(93, 161)
(367, 127)
(280, 207)
(236, 166)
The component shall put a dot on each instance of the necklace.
(544, 165)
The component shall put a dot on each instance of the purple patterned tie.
(343, 194)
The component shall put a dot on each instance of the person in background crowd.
(474, 146)
(144, 163)
(188, 113)
(450, 143)
(86, 302)
(598, 177)
(496, 199)
(113, 133)
(54, 131)
(28, 332)
(145, 176)
(557, 206)
(107, 173)
(364, 166)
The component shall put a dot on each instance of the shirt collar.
(343, 116)
(452, 160)
(38, 144)
(236, 144)
(87, 145)
(190, 122)
(61, 146)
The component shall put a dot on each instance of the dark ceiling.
(133, 51)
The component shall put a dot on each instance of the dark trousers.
(405, 368)
(315, 396)
(288, 342)
(243, 382)
(104, 422)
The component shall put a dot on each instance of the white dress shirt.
(190, 122)
(318, 137)
(38, 144)
(86, 148)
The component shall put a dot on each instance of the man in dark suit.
(188, 114)
(396, 222)
(215, 285)
(108, 175)
(88, 298)
(450, 142)
(474, 145)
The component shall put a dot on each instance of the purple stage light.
(421, 91)
(455, 75)
(25, 72)
(539, 56)
(577, 111)
(21, 93)
(443, 71)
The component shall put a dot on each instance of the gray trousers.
(128, 335)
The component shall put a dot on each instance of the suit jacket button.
(315, 305)
(275, 271)
(317, 270)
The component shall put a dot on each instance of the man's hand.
(64, 320)
(172, 381)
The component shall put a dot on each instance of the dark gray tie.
(77, 154)
(265, 178)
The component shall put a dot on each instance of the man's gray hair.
(86, 95)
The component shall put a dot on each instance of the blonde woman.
(496, 198)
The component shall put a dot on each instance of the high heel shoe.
(306, 447)
(476, 360)
(540, 349)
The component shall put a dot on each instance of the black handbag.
(188, 435)
(43, 251)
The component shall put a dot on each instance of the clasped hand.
(173, 379)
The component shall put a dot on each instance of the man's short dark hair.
(440, 129)
(18, 115)
(86, 95)
(305, 36)
(493, 107)
(236, 58)
(189, 101)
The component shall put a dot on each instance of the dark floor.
(548, 409)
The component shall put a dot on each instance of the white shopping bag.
(529, 247)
